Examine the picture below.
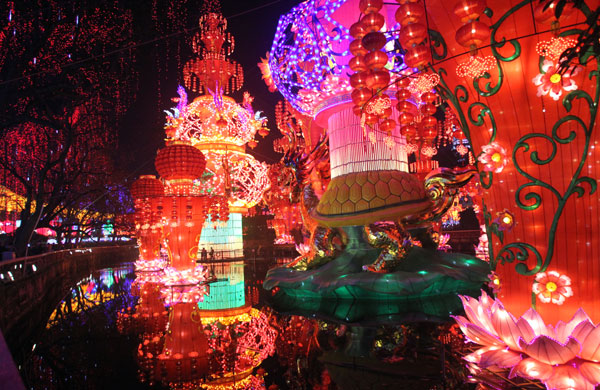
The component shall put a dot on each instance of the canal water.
(91, 340)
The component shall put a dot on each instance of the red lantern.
(429, 97)
(468, 10)
(547, 15)
(376, 60)
(429, 121)
(387, 125)
(357, 30)
(361, 95)
(406, 118)
(403, 93)
(407, 106)
(374, 41)
(357, 48)
(358, 80)
(418, 56)
(472, 34)
(357, 64)
(378, 79)
(180, 161)
(387, 112)
(409, 131)
(373, 22)
(409, 13)
(427, 109)
(371, 119)
(370, 6)
(147, 186)
(413, 34)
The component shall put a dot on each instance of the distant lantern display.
(146, 192)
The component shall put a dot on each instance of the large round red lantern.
(180, 161)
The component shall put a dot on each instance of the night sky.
(252, 23)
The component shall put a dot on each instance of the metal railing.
(21, 267)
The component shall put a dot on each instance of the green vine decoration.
(500, 43)
(437, 41)
(577, 185)
(520, 251)
(488, 89)
(479, 121)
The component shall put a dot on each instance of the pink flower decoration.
(553, 83)
(552, 287)
(493, 158)
(562, 357)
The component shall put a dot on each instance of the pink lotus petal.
(481, 336)
(531, 369)
(475, 357)
(591, 372)
(567, 377)
(526, 330)
(582, 331)
(502, 358)
(591, 345)
(506, 327)
(536, 322)
(550, 351)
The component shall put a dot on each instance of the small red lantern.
(357, 48)
(378, 79)
(373, 22)
(376, 60)
(418, 56)
(252, 143)
(403, 93)
(472, 34)
(412, 34)
(263, 131)
(361, 95)
(387, 125)
(406, 118)
(358, 80)
(370, 6)
(358, 64)
(427, 109)
(407, 106)
(374, 41)
(180, 160)
(409, 13)
(357, 30)
(468, 10)
(429, 121)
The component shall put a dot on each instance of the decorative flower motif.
(553, 48)
(389, 141)
(428, 151)
(553, 83)
(476, 66)
(266, 73)
(505, 220)
(462, 149)
(494, 282)
(552, 287)
(493, 157)
(424, 83)
(562, 357)
(443, 242)
(378, 105)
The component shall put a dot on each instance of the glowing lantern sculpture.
(331, 68)
(221, 128)
(146, 192)
(179, 164)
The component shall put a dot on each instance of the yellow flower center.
(551, 286)
(555, 78)
(507, 220)
(496, 157)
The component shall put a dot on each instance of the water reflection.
(114, 332)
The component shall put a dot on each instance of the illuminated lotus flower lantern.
(183, 211)
(146, 192)
(534, 133)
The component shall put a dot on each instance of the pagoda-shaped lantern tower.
(221, 128)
